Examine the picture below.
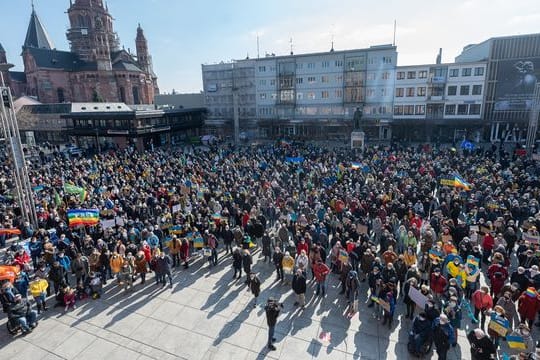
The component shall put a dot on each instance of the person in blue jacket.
(65, 262)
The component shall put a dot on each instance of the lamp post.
(533, 120)
(10, 129)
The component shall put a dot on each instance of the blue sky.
(184, 34)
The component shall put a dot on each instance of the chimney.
(439, 57)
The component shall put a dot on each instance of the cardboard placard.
(484, 230)
(532, 239)
(362, 229)
(119, 221)
(417, 297)
(176, 208)
(445, 238)
(107, 224)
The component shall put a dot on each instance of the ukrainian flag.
(459, 182)
(515, 342)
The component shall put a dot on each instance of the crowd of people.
(455, 255)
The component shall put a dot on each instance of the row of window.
(451, 109)
(325, 79)
(304, 110)
(462, 109)
(354, 63)
(478, 71)
(453, 72)
(422, 74)
(409, 110)
(312, 95)
(411, 91)
(464, 90)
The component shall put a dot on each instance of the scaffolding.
(12, 140)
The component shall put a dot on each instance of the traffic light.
(5, 97)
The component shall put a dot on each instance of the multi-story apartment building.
(306, 96)
(438, 102)
(225, 85)
(513, 71)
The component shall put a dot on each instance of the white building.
(438, 102)
(307, 96)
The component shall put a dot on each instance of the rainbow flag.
(83, 217)
(515, 342)
(356, 165)
(10, 232)
(531, 292)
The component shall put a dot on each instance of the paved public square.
(206, 315)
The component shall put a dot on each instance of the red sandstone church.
(96, 69)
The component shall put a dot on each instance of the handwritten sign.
(417, 297)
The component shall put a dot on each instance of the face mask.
(61, 256)
(499, 313)
(525, 332)
(452, 304)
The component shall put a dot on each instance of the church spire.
(36, 35)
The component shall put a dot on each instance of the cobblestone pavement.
(207, 315)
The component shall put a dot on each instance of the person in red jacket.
(487, 247)
(437, 283)
(302, 245)
(321, 271)
(483, 302)
(528, 306)
(184, 253)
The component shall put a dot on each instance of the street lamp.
(12, 137)
(533, 120)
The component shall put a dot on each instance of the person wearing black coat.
(228, 238)
(237, 263)
(254, 287)
(57, 275)
(277, 259)
(246, 264)
(21, 310)
(299, 287)
(266, 246)
(272, 309)
(482, 347)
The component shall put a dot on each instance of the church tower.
(91, 34)
(143, 56)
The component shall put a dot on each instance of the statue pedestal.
(358, 140)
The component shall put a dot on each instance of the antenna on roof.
(32, 3)
(290, 41)
(395, 26)
(332, 35)
(257, 45)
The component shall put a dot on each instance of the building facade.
(306, 96)
(100, 126)
(95, 68)
(439, 102)
(513, 70)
